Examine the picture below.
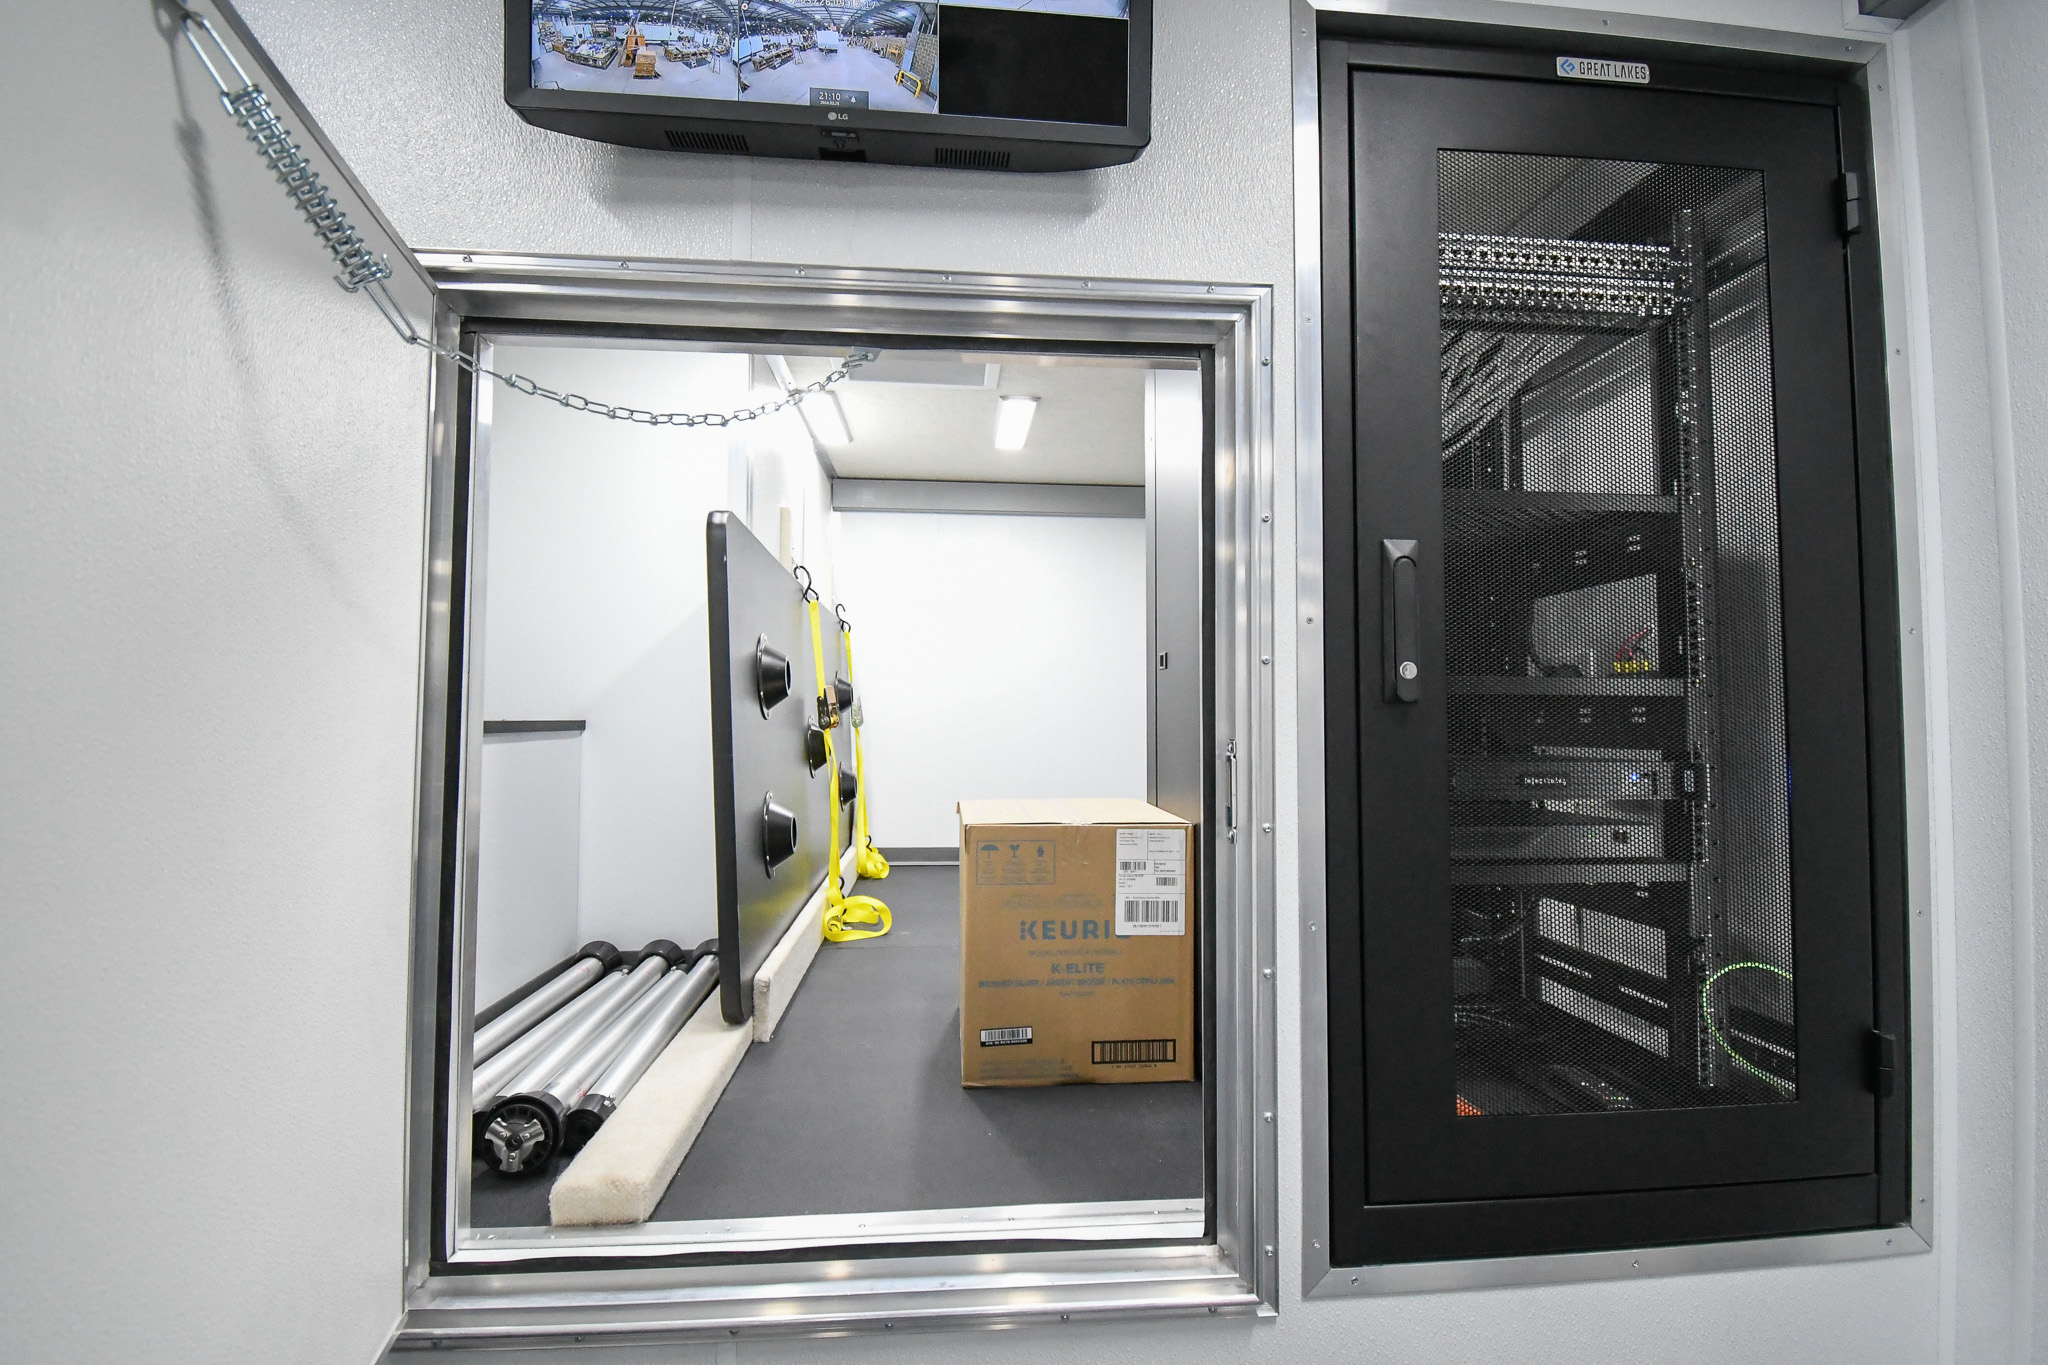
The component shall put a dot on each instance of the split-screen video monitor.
(1055, 60)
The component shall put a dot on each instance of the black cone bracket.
(849, 786)
(814, 747)
(772, 678)
(778, 832)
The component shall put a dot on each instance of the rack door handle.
(1398, 636)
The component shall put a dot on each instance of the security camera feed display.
(1059, 60)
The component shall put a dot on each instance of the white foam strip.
(776, 980)
(622, 1173)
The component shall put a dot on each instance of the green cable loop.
(1707, 1013)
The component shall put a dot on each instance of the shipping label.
(1151, 882)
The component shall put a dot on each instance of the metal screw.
(1269, 827)
(1354, 1279)
(799, 270)
(1212, 1310)
(1311, 620)
(1266, 361)
(1268, 1116)
(1265, 658)
(1265, 516)
(1269, 973)
(1269, 1251)
(1635, 1265)
(468, 260)
(1311, 926)
(1063, 1317)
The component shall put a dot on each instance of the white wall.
(1978, 195)
(529, 858)
(995, 657)
(595, 610)
(209, 521)
(211, 477)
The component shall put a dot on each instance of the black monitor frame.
(734, 128)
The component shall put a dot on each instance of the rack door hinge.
(1852, 203)
(1884, 1064)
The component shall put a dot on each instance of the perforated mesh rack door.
(1614, 652)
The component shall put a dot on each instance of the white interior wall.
(529, 858)
(995, 657)
(210, 500)
(595, 610)
(212, 471)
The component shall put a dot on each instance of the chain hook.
(803, 578)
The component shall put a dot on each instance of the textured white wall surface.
(998, 656)
(210, 526)
(212, 471)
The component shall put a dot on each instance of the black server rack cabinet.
(1615, 871)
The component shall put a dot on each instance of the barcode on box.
(1152, 911)
(1131, 1050)
(1133, 865)
(1166, 881)
(1005, 1037)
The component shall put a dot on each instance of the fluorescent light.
(1013, 422)
(826, 419)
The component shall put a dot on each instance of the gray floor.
(857, 1107)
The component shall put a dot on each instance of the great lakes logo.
(1600, 69)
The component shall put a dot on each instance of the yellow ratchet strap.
(868, 860)
(842, 912)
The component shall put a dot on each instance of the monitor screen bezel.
(1135, 132)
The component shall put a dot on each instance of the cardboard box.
(1077, 943)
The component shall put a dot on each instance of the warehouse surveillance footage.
(879, 54)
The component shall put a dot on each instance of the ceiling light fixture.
(1013, 422)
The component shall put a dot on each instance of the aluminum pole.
(525, 1129)
(492, 1037)
(488, 1080)
(604, 1094)
(515, 1138)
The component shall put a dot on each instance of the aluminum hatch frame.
(955, 1268)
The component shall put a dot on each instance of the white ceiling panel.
(926, 418)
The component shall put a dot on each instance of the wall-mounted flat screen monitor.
(1034, 85)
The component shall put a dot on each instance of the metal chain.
(576, 402)
(363, 271)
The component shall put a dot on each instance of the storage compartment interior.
(1007, 641)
